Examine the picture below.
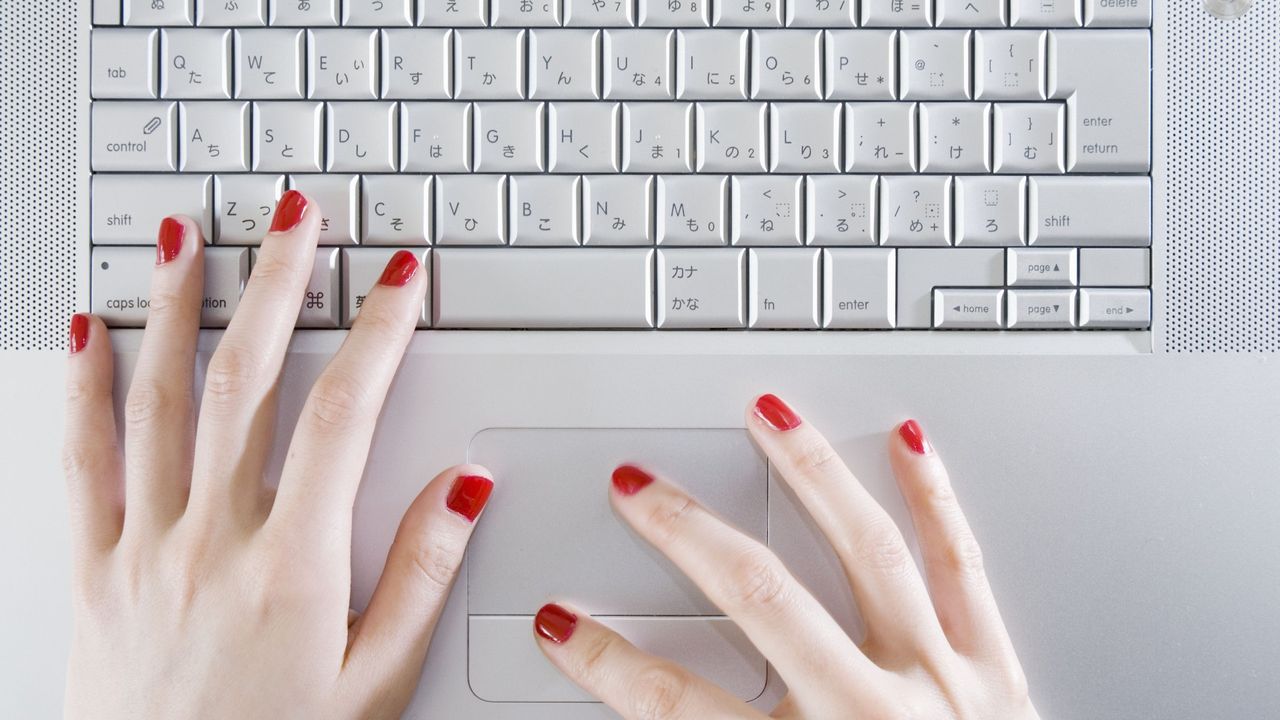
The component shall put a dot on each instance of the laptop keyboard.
(669, 164)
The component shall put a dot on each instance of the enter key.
(1105, 77)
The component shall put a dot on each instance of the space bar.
(570, 288)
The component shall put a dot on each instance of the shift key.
(1085, 211)
(127, 209)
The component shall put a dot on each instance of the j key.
(701, 288)
(583, 137)
(991, 210)
(859, 288)
(840, 210)
(453, 13)
(880, 137)
(655, 137)
(196, 64)
(338, 197)
(155, 13)
(822, 13)
(342, 64)
(1041, 309)
(268, 64)
(968, 309)
(306, 13)
(692, 210)
(232, 13)
(1052, 267)
(599, 13)
(123, 63)
(286, 136)
(134, 136)
(565, 64)
(244, 204)
(1028, 138)
(915, 210)
(416, 64)
(1115, 308)
(122, 278)
(767, 210)
(638, 64)
(377, 13)
(1105, 77)
(526, 13)
(897, 13)
(712, 64)
(127, 209)
(971, 13)
(509, 137)
(322, 300)
(395, 209)
(361, 137)
(1044, 13)
(935, 64)
(782, 289)
(361, 268)
(732, 137)
(920, 270)
(435, 137)
(954, 137)
(544, 210)
(861, 64)
(786, 64)
(675, 13)
(1009, 64)
(804, 137)
(1091, 211)
(747, 13)
(215, 136)
(471, 209)
(617, 210)
(489, 64)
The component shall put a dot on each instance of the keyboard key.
(968, 309)
(489, 64)
(361, 137)
(675, 13)
(840, 210)
(435, 137)
(748, 14)
(123, 63)
(544, 210)
(269, 64)
(1052, 267)
(732, 137)
(583, 137)
(121, 281)
(526, 13)
(955, 137)
(305, 13)
(215, 136)
(196, 64)
(287, 136)
(991, 210)
(782, 289)
(1091, 211)
(599, 13)
(416, 64)
(701, 289)
(471, 209)
(915, 210)
(920, 270)
(134, 136)
(453, 13)
(617, 210)
(322, 300)
(1041, 309)
(861, 64)
(395, 209)
(786, 64)
(232, 13)
(766, 210)
(377, 13)
(1110, 13)
(157, 13)
(127, 209)
(935, 64)
(656, 137)
(245, 205)
(1116, 309)
(637, 64)
(1028, 138)
(338, 197)
(1105, 77)
(692, 210)
(361, 268)
(107, 12)
(1009, 64)
(821, 13)
(859, 288)
(565, 64)
(1044, 13)
(1115, 267)
(509, 137)
(971, 13)
(804, 137)
(880, 137)
(342, 64)
(897, 13)
(711, 64)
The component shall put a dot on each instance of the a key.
(565, 64)
(286, 136)
(1091, 211)
(509, 137)
(377, 13)
(453, 13)
(395, 209)
(637, 64)
(489, 64)
(747, 13)
(971, 13)
(134, 136)
(416, 64)
(701, 289)
(935, 64)
(915, 210)
(954, 137)
(897, 13)
(1009, 64)
(804, 137)
(526, 13)
(1041, 309)
(123, 63)
(159, 13)
(269, 64)
(711, 64)
(245, 205)
(544, 210)
(968, 309)
(1044, 13)
(920, 270)
(338, 197)
(215, 136)
(675, 13)
(127, 209)
(617, 210)
(1115, 308)
(361, 137)
(435, 137)
(583, 137)
(880, 137)
(361, 268)
(232, 13)
(1115, 267)
(767, 210)
(861, 64)
(599, 13)
(840, 210)
(786, 64)
(1028, 138)
(1045, 267)
(782, 289)
(1111, 14)
(121, 282)
(322, 299)
(655, 137)
(821, 13)
(196, 64)
(731, 137)
(991, 210)
(107, 12)
(692, 210)
(1105, 77)
(304, 13)
(342, 64)
(471, 210)
(859, 288)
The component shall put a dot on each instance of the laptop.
(1049, 229)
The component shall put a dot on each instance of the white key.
(232, 13)
(711, 64)
(417, 64)
(637, 64)
(377, 13)
(920, 270)
(656, 137)
(1115, 267)
(935, 64)
(215, 136)
(305, 13)
(566, 64)
(967, 309)
(286, 136)
(880, 137)
(897, 13)
(971, 13)
(134, 136)
(107, 12)
(617, 210)
(122, 281)
(338, 197)
(1041, 309)
(732, 137)
(435, 137)
(955, 137)
(543, 288)
(915, 210)
(859, 288)
(1113, 14)
(395, 209)
(509, 137)
(599, 13)
(1045, 267)
(196, 64)
(1009, 64)
(1115, 309)
(861, 64)
(526, 13)
(123, 63)
(767, 210)
(322, 300)
(675, 13)
(1105, 77)
(1091, 211)
(489, 64)
(544, 210)
(701, 288)
(1044, 13)
(361, 268)
(158, 12)
(453, 13)
(128, 209)
(245, 205)
(804, 137)
(361, 137)
(342, 64)
(747, 13)
(782, 289)
(840, 210)
(991, 210)
(269, 63)
(692, 209)
(786, 64)
(471, 210)
(821, 13)
(1028, 138)
(583, 137)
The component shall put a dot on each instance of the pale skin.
(201, 593)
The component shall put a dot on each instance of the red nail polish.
(555, 623)
(629, 479)
(400, 270)
(468, 495)
(79, 332)
(776, 413)
(289, 211)
(169, 241)
(914, 437)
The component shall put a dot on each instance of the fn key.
(121, 283)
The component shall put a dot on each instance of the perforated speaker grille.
(39, 42)
(1222, 210)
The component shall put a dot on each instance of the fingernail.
(289, 211)
(468, 495)
(79, 332)
(169, 242)
(914, 437)
(555, 623)
(629, 479)
(400, 270)
(776, 413)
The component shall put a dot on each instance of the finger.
(159, 426)
(390, 639)
(744, 578)
(90, 455)
(888, 588)
(238, 406)
(637, 685)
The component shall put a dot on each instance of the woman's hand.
(198, 591)
(927, 656)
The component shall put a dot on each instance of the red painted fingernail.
(400, 270)
(629, 479)
(776, 413)
(169, 242)
(555, 623)
(289, 211)
(468, 495)
(914, 437)
(79, 332)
